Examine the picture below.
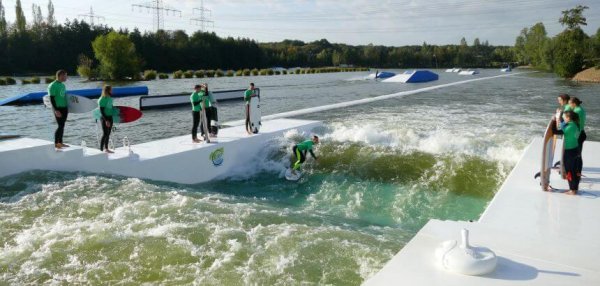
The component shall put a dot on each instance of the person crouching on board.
(299, 151)
(249, 93)
(575, 104)
(105, 104)
(58, 98)
(211, 111)
(571, 156)
(196, 99)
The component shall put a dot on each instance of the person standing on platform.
(196, 99)
(105, 104)
(571, 156)
(248, 94)
(575, 105)
(58, 97)
(211, 111)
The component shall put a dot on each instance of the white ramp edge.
(368, 100)
(174, 159)
(540, 238)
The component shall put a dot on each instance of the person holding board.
(196, 99)
(299, 150)
(248, 94)
(211, 111)
(58, 97)
(571, 155)
(105, 104)
(575, 104)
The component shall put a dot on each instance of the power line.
(202, 21)
(158, 8)
(92, 16)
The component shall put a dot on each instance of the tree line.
(567, 53)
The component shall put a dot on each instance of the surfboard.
(121, 114)
(255, 114)
(75, 103)
(204, 123)
(291, 177)
(549, 146)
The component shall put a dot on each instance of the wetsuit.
(582, 136)
(207, 110)
(195, 99)
(571, 156)
(247, 95)
(58, 98)
(300, 152)
(212, 113)
(105, 104)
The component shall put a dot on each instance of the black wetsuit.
(58, 134)
(105, 129)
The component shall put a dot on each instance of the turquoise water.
(385, 169)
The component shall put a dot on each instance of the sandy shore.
(588, 75)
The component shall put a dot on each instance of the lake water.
(385, 169)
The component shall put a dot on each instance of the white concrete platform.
(540, 238)
(174, 159)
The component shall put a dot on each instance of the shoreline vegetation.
(102, 52)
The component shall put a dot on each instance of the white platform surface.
(174, 159)
(540, 238)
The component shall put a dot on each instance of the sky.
(355, 22)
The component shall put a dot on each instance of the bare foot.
(108, 151)
(196, 140)
(571, 192)
(64, 145)
(58, 146)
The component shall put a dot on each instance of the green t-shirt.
(196, 97)
(571, 134)
(581, 112)
(58, 90)
(566, 108)
(107, 103)
(306, 145)
(249, 93)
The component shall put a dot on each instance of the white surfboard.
(547, 156)
(291, 177)
(76, 103)
(255, 114)
(204, 123)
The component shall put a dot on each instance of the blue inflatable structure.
(384, 75)
(414, 77)
(36, 97)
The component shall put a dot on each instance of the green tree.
(573, 18)
(534, 45)
(3, 28)
(568, 52)
(463, 42)
(21, 23)
(38, 19)
(520, 52)
(117, 56)
(51, 21)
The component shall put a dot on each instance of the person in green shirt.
(571, 156)
(299, 150)
(210, 106)
(196, 99)
(249, 93)
(105, 104)
(575, 105)
(58, 98)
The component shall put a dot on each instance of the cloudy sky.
(384, 22)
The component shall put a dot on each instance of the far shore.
(588, 75)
